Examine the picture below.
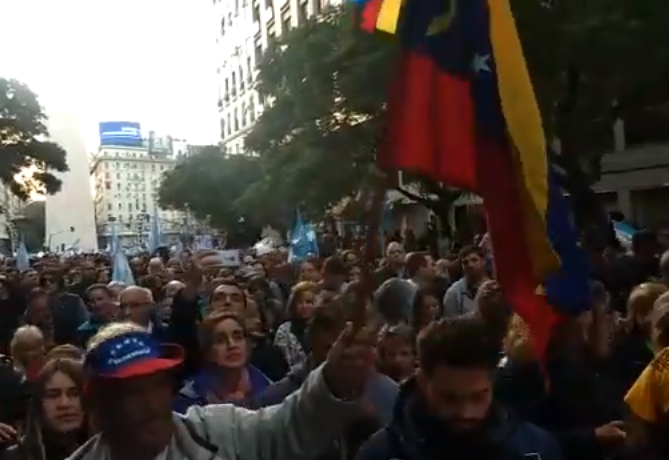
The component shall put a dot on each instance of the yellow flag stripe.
(525, 128)
(389, 15)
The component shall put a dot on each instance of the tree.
(326, 83)
(26, 156)
(593, 62)
(208, 184)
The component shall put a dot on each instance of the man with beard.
(447, 410)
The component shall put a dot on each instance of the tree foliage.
(317, 137)
(326, 85)
(208, 184)
(24, 146)
(593, 61)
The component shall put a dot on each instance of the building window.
(285, 23)
(257, 52)
(271, 29)
(255, 13)
(252, 110)
(301, 13)
(236, 120)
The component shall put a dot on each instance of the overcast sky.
(151, 61)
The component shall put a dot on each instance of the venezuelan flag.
(381, 14)
(462, 111)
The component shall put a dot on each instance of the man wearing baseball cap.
(129, 390)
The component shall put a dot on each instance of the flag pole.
(375, 200)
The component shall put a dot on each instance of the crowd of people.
(269, 360)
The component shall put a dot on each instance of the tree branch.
(417, 198)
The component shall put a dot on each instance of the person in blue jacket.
(226, 376)
(447, 411)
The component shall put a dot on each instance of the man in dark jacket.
(448, 412)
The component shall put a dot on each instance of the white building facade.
(10, 211)
(245, 28)
(126, 181)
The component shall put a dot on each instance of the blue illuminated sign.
(121, 133)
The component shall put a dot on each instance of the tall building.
(10, 211)
(126, 180)
(70, 218)
(245, 28)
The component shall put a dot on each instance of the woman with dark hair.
(56, 423)
(426, 308)
(227, 376)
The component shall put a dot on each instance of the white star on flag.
(481, 63)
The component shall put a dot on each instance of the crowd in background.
(453, 373)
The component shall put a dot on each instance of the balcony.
(635, 169)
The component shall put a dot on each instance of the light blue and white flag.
(155, 234)
(303, 241)
(121, 271)
(22, 257)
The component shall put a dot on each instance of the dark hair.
(329, 317)
(335, 266)
(417, 308)
(414, 261)
(317, 262)
(459, 342)
(95, 287)
(400, 331)
(209, 323)
(468, 250)
(234, 284)
(54, 275)
(34, 294)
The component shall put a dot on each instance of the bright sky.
(151, 61)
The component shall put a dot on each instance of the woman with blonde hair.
(291, 337)
(27, 349)
(632, 347)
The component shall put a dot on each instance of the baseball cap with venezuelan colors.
(124, 350)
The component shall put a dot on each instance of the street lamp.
(51, 235)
